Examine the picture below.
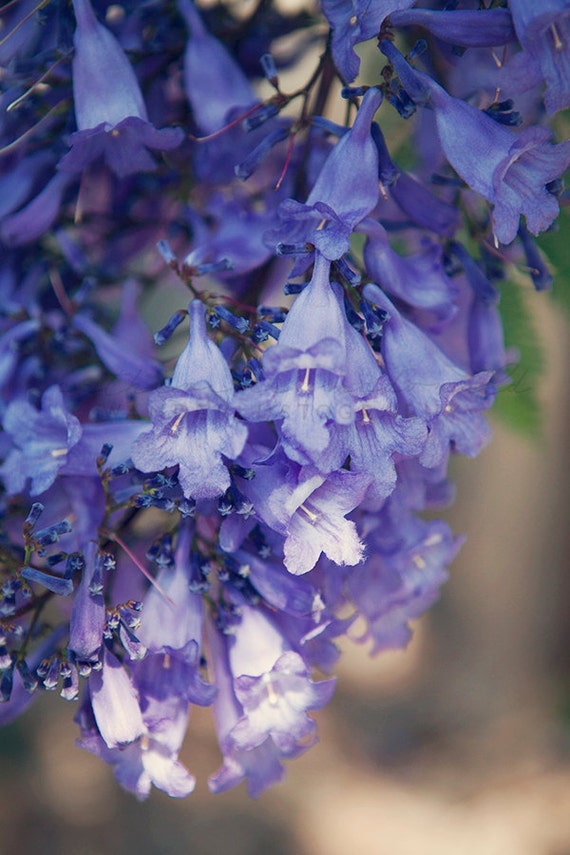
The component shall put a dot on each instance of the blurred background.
(459, 744)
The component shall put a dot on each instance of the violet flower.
(111, 115)
(543, 29)
(303, 387)
(512, 172)
(355, 21)
(41, 442)
(433, 387)
(193, 418)
(341, 196)
(273, 686)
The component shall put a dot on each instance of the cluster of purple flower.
(205, 538)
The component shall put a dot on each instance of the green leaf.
(518, 404)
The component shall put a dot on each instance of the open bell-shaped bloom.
(193, 421)
(42, 440)
(512, 172)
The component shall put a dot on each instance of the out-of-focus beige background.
(461, 744)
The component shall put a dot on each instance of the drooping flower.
(543, 29)
(303, 387)
(115, 704)
(512, 172)
(193, 421)
(112, 119)
(273, 686)
(41, 441)
(341, 196)
(432, 387)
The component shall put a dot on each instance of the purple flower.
(512, 172)
(153, 758)
(111, 115)
(342, 195)
(434, 388)
(223, 88)
(419, 280)
(193, 418)
(304, 371)
(465, 28)
(543, 30)
(273, 686)
(260, 766)
(402, 577)
(308, 509)
(41, 442)
(355, 21)
(115, 705)
(172, 619)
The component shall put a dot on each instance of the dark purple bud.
(186, 508)
(34, 514)
(69, 676)
(263, 330)
(262, 115)
(374, 317)
(162, 336)
(103, 455)
(293, 249)
(274, 314)
(51, 534)
(29, 680)
(352, 276)
(353, 91)
(56, 584)
(220, 266)
(248, 166)
(237, 323)
(538, 269)
(269, 69)
(6, 684)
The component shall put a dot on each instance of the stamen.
(419, 562)
(271, 694)
(365, 417)
(167, 661)
(321, 225)
(556, 35)
(58, 452)
(305, 387)
(498, 61)
(383, 191)
(313, 517)
(176, 424)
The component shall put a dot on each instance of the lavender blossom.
(193, 421)
(111, 115)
